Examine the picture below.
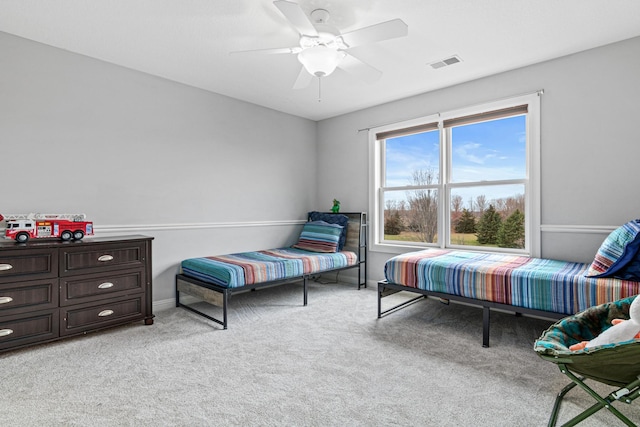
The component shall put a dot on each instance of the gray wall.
(202, 173)
(206, 174)
(589, 144)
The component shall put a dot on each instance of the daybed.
(328, 242)
(535, 286)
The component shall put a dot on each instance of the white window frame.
(531, 181)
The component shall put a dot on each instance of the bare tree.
(500, 206)
(512, 204)
(471, 204)
(456, 203)
(423, 205)
(508, 205)
(481, 203)
(392, 221)
(456, 209)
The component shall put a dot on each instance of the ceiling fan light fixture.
(320, 60)
(322, 47)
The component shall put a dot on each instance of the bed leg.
(361, 283)
(304, 286)
(225, 301)
(486, 316)
(177, 293)
(365, 275)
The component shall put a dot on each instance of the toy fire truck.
(36, 225)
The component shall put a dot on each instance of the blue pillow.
(319, 236)
(617, 250)
(332, 218)
(631, 271)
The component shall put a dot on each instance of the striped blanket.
(539, 284)
(248, 268)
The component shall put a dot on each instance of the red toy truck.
(64, 226)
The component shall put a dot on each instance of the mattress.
(535, 283)
(249, 268)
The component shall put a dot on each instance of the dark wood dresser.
(51, 289)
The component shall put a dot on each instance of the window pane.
(411, 215)
(489, 151)
(412, 157)
(488, 216)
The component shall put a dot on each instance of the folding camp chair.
(617, 365)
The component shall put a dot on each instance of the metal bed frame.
(385, 289)
(220, 295)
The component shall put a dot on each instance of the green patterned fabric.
(614, 364)
(583, 326)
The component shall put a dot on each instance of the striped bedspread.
(248, 268)
(540, 284)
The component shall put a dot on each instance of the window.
(464, 179)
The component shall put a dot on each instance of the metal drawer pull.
(105, 313)
(105, 285)
(5, 300)
(5, 332)
(5, 267)
(103, 258)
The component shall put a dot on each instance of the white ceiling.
(189, 41)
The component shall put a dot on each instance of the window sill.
(401, 249)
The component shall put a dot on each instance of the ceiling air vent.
(445, 62)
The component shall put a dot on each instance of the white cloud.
(465, 152)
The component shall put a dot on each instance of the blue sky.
(485, 151)
(489, 150)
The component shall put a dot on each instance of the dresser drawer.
(27, 264)
(51, 289)
(21, 297)
(85, 317)
(16, 331)
(79, 289)
(96, 258)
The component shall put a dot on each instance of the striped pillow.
(617, 250)
(332, 218)
(319, 236)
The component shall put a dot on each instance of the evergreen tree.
(511, 234)
(488, 227)
(466, 223)
(393, 224)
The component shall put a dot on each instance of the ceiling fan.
(322, 48)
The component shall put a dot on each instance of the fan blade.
(359, 69)
(296, 17)
(303, 80)
(291, 50)
(375, 33)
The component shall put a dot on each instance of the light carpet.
(331, 363)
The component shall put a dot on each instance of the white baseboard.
(166, 304)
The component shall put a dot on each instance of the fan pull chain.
(319, 89)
